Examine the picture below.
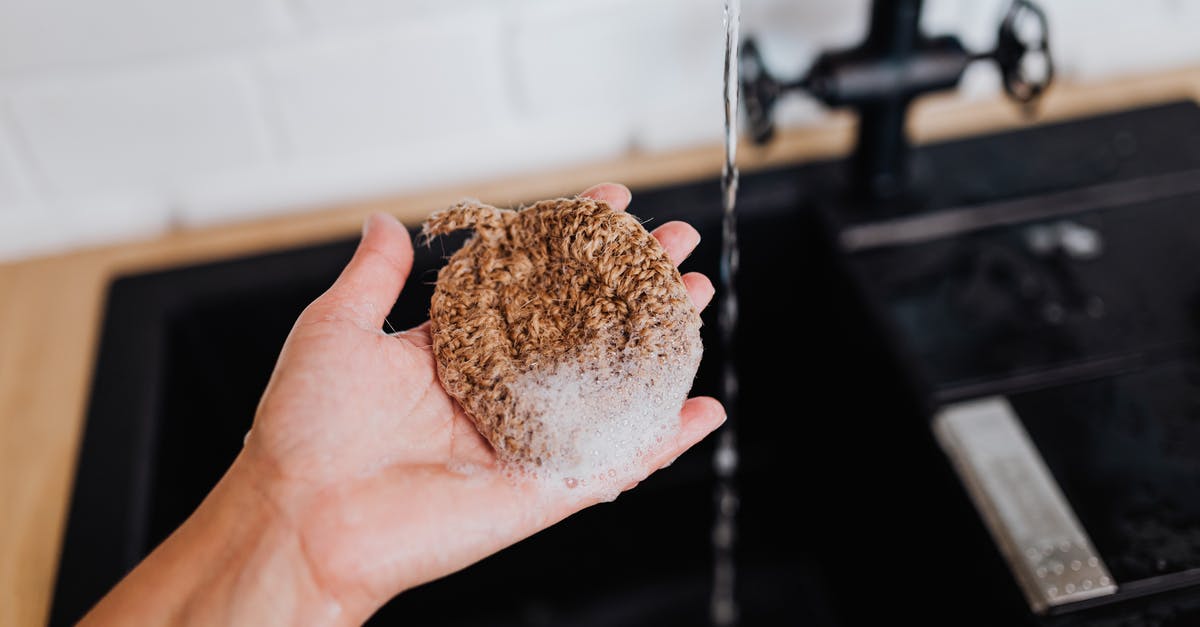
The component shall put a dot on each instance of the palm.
(383, 387)
(397, 485)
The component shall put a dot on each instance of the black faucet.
(881, 77)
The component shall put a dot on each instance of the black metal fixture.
(882, 76)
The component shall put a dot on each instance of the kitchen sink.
(186, 353)
(850, 512)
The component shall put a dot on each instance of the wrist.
(238, 559)
(261, 571)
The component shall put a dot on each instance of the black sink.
(186, 352)
(832, 424)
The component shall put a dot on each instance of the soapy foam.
(599, 422)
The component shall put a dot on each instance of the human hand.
(357, 452)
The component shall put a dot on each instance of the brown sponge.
(565, 333)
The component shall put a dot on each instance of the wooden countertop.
(50, 308)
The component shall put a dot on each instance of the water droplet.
(723, 534)
(571, 482)
(1053, 313)
(726, 461)
(727, 502)
(1069, 588)
(1076, 565)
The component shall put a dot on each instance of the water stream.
(724, 608)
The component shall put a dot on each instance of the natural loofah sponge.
(565, 333)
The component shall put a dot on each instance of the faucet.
(880, 78)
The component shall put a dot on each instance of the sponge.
(565, 333)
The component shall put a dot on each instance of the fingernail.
(625, 192)
(374, 219)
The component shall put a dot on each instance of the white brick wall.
(1096, 38)
(328, 14)
(15, 186)
(43, 35)
(371, 89)
(119, 130)
(578, 60)
(121, 118)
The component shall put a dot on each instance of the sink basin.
(833, 423)
(186, 353)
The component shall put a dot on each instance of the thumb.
(375, 275)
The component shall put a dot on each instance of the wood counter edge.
(51, 307)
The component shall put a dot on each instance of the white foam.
(601, 422)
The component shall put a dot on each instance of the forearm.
(235, 561)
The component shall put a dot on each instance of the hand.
(354, 454)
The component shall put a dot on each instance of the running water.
(724, 607)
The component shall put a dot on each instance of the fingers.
(371, 282)
(699, 288)
(679, 239)
(616, 195)
(699, 417)
(533, 507)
